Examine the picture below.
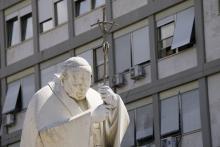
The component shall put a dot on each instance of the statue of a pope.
(68, 113)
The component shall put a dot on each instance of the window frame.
(56, 13)
(23, 33)
(9, 31)
(41, 25)
(77, 7)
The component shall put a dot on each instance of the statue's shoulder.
(41, 95)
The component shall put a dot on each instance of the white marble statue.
(68, 113)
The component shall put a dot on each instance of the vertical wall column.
(71, 22)
(154, 78)
(199, 29)
(3, 65)
(36, 42)
(204, 111)
(203, 90)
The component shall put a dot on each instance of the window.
(180, 113)
(144, 124)
(11, 100)
(165, 39)
(46, 25)
(99, 62)
(169, 116)
(27, 90)
(132, 49)
(13, 31)
(26, 27)
(19, 94)
(82, 6)
(190, 111)
(176, 33)
(140, 129)
(129, 138)
(122, 53)
(98, 3)
(61, 12)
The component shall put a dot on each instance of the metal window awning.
(184, 28)
(11, 97)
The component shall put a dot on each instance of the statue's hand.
(100, 114)
(109, 97)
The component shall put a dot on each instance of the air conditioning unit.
(10, 119)
(169, 142)
(118, 80)
(137, 72)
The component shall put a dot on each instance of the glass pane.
(141, 46)
(166, 31)
(99, 3)
(13, 32)
(129, 138)
(47, 25)
(27, 90)
(11, 97)
(99, 56)
(82, 6)
(144, 122)
(184, 28)
(191, 111)
(169, 115)
(27, 27)
(122, 53)
(166, 43)
(61, 10)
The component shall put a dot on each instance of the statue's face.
(76, 83)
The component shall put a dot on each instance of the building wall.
(212, 33)
(214, 105)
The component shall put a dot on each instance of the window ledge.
(87, 13)
(164, 58)
(20, 43)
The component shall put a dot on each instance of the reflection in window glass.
(13, 32)
(26, 27)
(82, 6)
(98, 3)
(144, 123)
(46, 25)
(61, 12)
(191, 111)
(169, 115)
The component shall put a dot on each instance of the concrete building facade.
(164, 61)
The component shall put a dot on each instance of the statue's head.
(76, 77)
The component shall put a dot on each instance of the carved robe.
(52, 109)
